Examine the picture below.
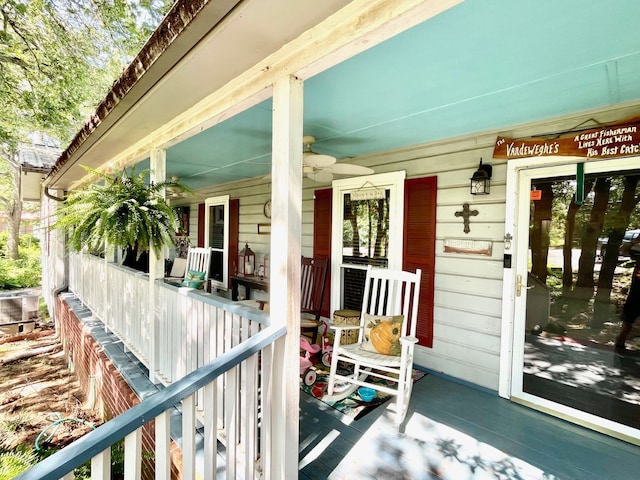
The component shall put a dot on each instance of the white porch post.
(286, 234)
(158, 162)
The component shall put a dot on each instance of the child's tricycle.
(307, 369)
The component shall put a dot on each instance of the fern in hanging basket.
(122, 211)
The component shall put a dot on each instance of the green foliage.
(16, 422)
(24, 272)
(13, 463)
(58, 59)
(117, 463)
(122, 211)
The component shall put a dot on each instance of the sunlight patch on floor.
(429, 450)
(318, 449)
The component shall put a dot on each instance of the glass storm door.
(573, 270)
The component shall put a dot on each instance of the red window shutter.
(419, 246)
(322, 237)
(234, 229)
(201, 213)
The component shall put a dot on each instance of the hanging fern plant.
(122, 211)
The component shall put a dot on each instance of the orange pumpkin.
(385, 337)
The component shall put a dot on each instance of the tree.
(572, 211)
(10, 200)
(57, 60)
(541, 222)
(593, 229)
(618, 221)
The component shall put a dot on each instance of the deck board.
(451, 427)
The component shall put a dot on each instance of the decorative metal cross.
(465, 214)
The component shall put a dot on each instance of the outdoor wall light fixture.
(481, 180)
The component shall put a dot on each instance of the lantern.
(481, 180)
(246, 261)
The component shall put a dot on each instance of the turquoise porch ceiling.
(481, 65)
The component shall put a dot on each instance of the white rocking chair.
(386, 293)
(198, 260)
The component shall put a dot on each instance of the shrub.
(24, 272)
(13, 463)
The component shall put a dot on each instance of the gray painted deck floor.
(457, 432)
(453, 432)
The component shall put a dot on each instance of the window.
(216, 227)
(367, 230)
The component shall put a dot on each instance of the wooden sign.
(612, 141)
(474, 247)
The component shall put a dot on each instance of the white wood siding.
(468, 288)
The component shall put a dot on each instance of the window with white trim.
(216, 227)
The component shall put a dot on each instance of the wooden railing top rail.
(237, 308)
(96, 441)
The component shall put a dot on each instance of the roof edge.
(174, 23)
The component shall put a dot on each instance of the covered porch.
(380, 85)
(456, 431)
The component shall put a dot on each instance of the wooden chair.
(313, 279)
(388, 293)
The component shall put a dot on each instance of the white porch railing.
(118, 296)
(192, 329)
(243, 458)
(87, 275)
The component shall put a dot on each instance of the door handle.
(519, 285)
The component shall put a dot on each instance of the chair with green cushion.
(196, 267)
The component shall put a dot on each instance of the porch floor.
(455, 431)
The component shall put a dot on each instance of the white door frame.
(394, 181)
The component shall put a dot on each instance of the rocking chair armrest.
(408, 340)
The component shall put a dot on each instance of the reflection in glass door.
(579, 266)
(366, 230)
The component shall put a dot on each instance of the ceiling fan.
(322, 168)
(174, 189)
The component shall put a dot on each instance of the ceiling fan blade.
(321, 176)
(318, 161)
(349, 169)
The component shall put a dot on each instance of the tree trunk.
(381, 230)
(593, 229)
(567, 265)
(540, 232)
(14, 215)
(13, 231)
(620, 223)
(352, 217)
(30, 353)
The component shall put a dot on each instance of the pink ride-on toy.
(310, 349)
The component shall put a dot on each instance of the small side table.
(347, 317)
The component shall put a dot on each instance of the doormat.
(346, 399)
